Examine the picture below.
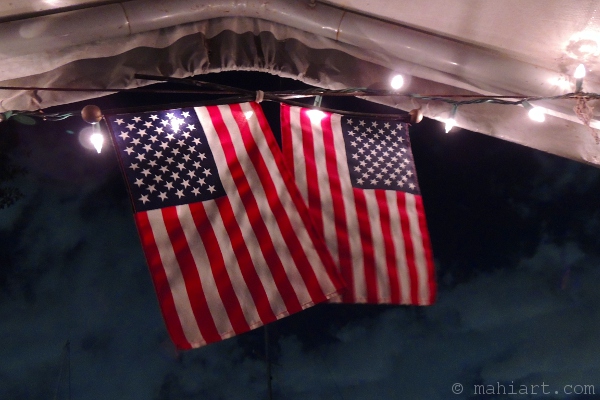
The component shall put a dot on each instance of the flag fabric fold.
(357, 177)
(227, 237)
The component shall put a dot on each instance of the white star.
(192, 149)
(197, 141)
(196, 164)
(154, 117)
(148, 147)
(362, 123)
(153, 139)
(196, 191)
(164, 145)
(181, 142)
(175, 176)
(157, 178)
(134, 166)
(206, 172)
(142, 132)
(412, 186)
(164, 169)
(119, 121)
(386, 125)
(191, 127)
(137, 119)
(360, 181)
(148, 124)
(139, 182)
(181, 166)
(144, 199)
(145, 172)
(201, 181)
(159, 129)
(130, 127)
(191, 174)
(170, 160)
(124, 135)
(152, 163)
(212, 189)
(175, 151)
(169, 185)
(185, 134)
(151, 188)
(185, 183)
(158, 154)
(163, 196)
(179, 193)
(170, 136)
(186, 157)
(135, 141)
(129, 150)
(350, 122)
(202, 156)
(185, 114)
(141, 156)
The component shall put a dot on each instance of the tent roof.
(463, 47)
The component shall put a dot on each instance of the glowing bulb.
(315, 114)
(450, 123)
(97, 140)
(579, 72)
(397, 82)
(537, 114)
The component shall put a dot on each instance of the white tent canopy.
(512, 47)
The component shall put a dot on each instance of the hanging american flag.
(358, 179)
(226, 235)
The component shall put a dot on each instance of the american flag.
(226, 235)
(358, 179)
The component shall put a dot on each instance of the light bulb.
(97, 140)
(315, 114)
(537, 114)
(450, 123)
(579, 72)
(579, 75)
(397, 82)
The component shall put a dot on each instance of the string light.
(535, 113)
(451, 122)
(315, 114)
(579, 75)
(97, 140)
(397, 82)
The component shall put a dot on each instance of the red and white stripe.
(378, 238)
(222, 267)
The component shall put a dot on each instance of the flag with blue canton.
(227, 238)
(357, 177)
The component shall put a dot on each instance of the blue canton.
(379, 155)
(166, 158)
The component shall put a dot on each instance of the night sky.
(516, 241)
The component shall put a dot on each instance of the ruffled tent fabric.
(311, 48)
